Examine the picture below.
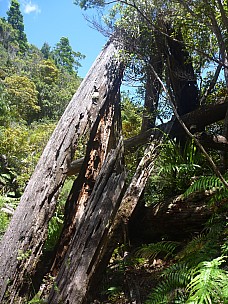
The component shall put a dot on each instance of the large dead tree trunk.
(22, 244)
(91, 207)
(118, 232)
(102, 139)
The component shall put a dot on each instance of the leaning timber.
(22, 244)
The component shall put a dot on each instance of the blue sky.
(49, 20)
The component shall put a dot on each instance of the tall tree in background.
(46, 50)
(15, 18)
(66, 57)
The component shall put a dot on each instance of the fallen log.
(177, 219)
(199, 118)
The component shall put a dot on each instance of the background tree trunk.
(181, 74)
(22, 244)
(152, 92)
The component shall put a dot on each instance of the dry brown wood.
(80, 263)
(101, 183)
(118, 231)
(101, 140)
(21, 246)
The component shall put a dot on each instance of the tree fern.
(210, 283)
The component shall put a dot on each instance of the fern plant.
(174, 170)
(197, 270)
(200, 248)
(209, 284)
(213, 185)
(206, 283)
(172, 287)
(151, 251)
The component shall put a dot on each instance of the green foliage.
(204, 183)
(15, 18)
(65, 57)
(165, 249)
(204, 283)
(46, 50)
(9, 45)
(7, 206)
(131, 114)
(39, 84)
(54, 231)
(21, 96)
(197, 275)
(85, 4)
(56, 222)
(171, 288)
(23, 255)
(212, 185)
(209, 284)
(200, 248)
(37, 300)
(49, 71)
(22, 147)
(174, 171)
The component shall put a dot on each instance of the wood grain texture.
(27, 231)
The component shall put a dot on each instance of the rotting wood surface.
(81, 261)
(21, 246)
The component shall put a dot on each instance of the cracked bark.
(90, 211)
(27, 231)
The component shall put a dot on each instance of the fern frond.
(208, 283)
(196, 244)
(173, 285)
(205, 183)
(199, 249)
(151, 251)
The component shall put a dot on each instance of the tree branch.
(209, 159)
(201, 117)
